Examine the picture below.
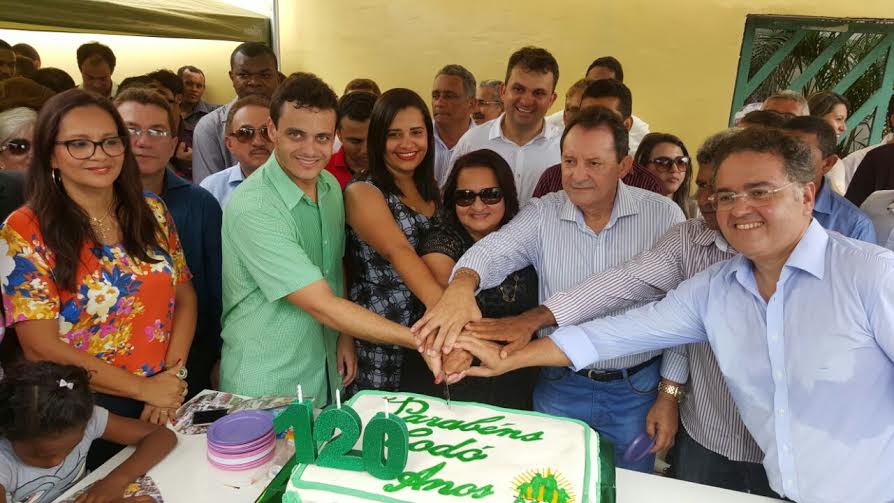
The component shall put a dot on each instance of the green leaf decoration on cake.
(542, 487)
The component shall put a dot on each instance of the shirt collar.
(624, 205)
(809, 256)
(548, 131)
(236, 176)
(290, 193)
(823, 203)
(172, 181)
(707, 236)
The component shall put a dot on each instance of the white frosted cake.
(470, 452)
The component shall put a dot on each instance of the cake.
(468, 452)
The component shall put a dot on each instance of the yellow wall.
(136, 55)
(680, 56)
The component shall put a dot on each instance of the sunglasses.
(17, 147)
(666, 164)
(247, 134)
(490, 195)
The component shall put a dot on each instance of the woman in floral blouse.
(92, 269)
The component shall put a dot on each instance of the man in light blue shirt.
(596, 223)
(247, 140)
(830, 209)
(802, 325)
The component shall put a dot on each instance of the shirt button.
(781, 412)
(786, 448)
(778, 375)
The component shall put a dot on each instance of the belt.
(615, 375)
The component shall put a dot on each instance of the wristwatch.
(182, 373)
(672, 390)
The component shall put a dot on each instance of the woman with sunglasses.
(479, 198)
(92, 267)
(16, 133)
(388, 210)
(665, 156)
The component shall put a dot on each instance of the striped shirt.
(708, 413)
(550, 234)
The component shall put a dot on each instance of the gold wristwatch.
(672, 390)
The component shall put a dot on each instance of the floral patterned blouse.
(122, 311)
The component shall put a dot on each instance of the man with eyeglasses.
(488, 105)
(253, 70)
(452, 102)
(249, 142)
(152, 125)
(595, 223)
(800, 324)
(97, 64)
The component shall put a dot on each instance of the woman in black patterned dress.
(479, 198)
(388, 210)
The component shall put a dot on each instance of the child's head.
(44, 409)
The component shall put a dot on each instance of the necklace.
(102, 225)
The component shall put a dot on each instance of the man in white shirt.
(452, 103)
(521, 135)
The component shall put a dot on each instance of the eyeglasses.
(17, 147)
(490, 195)
(152, 133)
(759, 197)
(484, 103)
(667, 165)
(84, 149)
(247, 134)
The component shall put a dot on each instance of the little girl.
(47, 423)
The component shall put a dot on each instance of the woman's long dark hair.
(644, 152)
(505, 179)
(65, 226)
(383, 113)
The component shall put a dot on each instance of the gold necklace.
(101, 225)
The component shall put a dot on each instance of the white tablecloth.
(185, 476)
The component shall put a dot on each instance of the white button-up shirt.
(527, 161)
(444, 156)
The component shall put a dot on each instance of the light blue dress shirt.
(836, 213)
(811, 370)
(222, 184)
(550, 234)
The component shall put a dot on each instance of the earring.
(57, 178)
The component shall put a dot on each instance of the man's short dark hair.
(765, 118)
(533, 59)
(22, 49)
(253, 50)
(190, 69)
(595, 117)
(611, 63)
(5, 45)
(824, 133)
(795, 154)
(357, 106)
(246, 101)
(54, 78)
(139, 81)
(168, 79)
(363, 85)
(891, 110)
(95, 50)
(302, 90)
(611, 88)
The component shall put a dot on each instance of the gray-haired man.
(452, 102)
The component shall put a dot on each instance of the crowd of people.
(469, 247)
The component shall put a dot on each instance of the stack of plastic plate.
(241, 441)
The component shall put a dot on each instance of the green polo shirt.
(277, 241)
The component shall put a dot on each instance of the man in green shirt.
(283, 243)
